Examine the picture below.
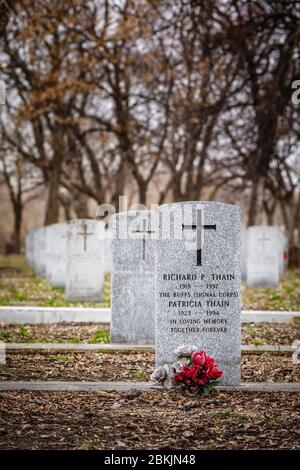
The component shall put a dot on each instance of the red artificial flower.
(201, 370)
(199, 357)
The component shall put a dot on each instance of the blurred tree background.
(160, 101)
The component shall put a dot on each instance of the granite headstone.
(198, 274)
(133, 279)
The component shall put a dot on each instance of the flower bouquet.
(192, 369)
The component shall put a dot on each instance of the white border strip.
(54, 386)
(49, 315)
(48, 347)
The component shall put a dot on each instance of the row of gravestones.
(264, 256)
(73, 256)
(176, 276)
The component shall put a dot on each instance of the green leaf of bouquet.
(206, 390)
(214, 383)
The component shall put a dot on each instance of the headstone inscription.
(57, 254)
(133, 280)
(263, 256)
(198, 282)
(85, 260)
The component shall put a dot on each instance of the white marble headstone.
(85, 260)
(33, 236)
(198, 271)
(263, 256)
(29, 248)
(244, 241)
(108, 252)
(283, 252)
(133, 279)
(57, 254)
(40, 251)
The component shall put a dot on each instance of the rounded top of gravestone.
(41, 229)
(133, 224)
(79, 221)
(131, 213)
(212, 203)
(57, 225)
(270, 228)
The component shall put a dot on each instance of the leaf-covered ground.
(55, 333)
(152, 420)
(135, 366)
(19, 286)
(252, 333)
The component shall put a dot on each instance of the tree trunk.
(142, 192)
(253, 203)
(81, 205)
(17, 228)
(53, 203)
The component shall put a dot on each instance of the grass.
(99, 337)
(23, 331)
(286, 296)
(140, 376)
(74, 340)
(5, 335)
(19, 286)
(62, 358)
(257, 342)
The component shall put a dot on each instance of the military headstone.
(263, 256)
(108, 253)
(244, 241)
(133, 280)
(29, 248)
(85, 260)
(198, 272)
(283, 252)
(40, 251)
(57, 254)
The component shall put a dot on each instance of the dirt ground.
(151, 420)
(252, 333)
(137, 366)
(136, 420)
